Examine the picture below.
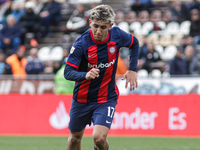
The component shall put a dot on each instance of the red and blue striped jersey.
(87, 53)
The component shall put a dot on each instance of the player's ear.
(90, 22)
(110, 26)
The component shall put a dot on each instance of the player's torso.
(104, 57)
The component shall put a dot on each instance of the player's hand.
(92, 74)
(131, 77)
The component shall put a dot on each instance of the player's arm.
(72, 66)
(71, 73)
(73, 62)
(131, 74)
(128, 40)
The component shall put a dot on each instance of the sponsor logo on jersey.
(101, 65)
(91, 55)
(72, 49)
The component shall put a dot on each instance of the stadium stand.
(156, 24)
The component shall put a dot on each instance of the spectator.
(195, 23)
(10, 34)
(38, 6)
(155, 16)
(178, 64)
(186, 40)
(131, 17)
(120, 16)
(18, 63)
(4, 67)
(65, 55)
(153, 60)
(30, 22)
(143, 16)
(138, 5)
(18, 9)
(195, 27)
(50, 13)
(58, 64)
(193, 4)
(143, 53)
(34, 65)
(77, 21)
(179, 11)
(167, 16)
(48, 67)
(5, 10)
(63, 86)
(192, 67)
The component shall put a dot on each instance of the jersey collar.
(96, 40)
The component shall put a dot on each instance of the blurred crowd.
(186, 61)
(26, 21)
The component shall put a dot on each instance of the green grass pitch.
(116, 143)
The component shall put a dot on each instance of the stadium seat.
(185, 27)
(124, 26)
(172, 28)
(135, 27)
(44, 53)
(159, 49)
(161, 24)
(57, 53)
(147, 27)
(142, 73)
(165, 74)
(165, 40)
(169, 52)
(156, 73)
(140, 37)
(154, 38)
(176, 40)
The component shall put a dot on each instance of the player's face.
(99, 30)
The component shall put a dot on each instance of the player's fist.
(92, 74)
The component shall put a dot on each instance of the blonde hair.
(103, 13)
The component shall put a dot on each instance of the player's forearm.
(72, 74)
(134, 54)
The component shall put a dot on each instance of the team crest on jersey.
(72, 49)
(112, 50)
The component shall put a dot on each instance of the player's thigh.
(80, 116)
(100, 131)
(104, 114)
(74, 136)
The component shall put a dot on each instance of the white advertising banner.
(181, 85)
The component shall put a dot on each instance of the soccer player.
(92, 64)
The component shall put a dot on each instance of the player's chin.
(98, 38)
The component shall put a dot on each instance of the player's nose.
(98, 30)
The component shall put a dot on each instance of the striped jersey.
(87, 53)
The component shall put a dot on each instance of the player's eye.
(96, 26)
(103, 27)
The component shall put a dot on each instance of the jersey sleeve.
(75, 55)
(128, 40)
(73, 62)
(134, 54)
